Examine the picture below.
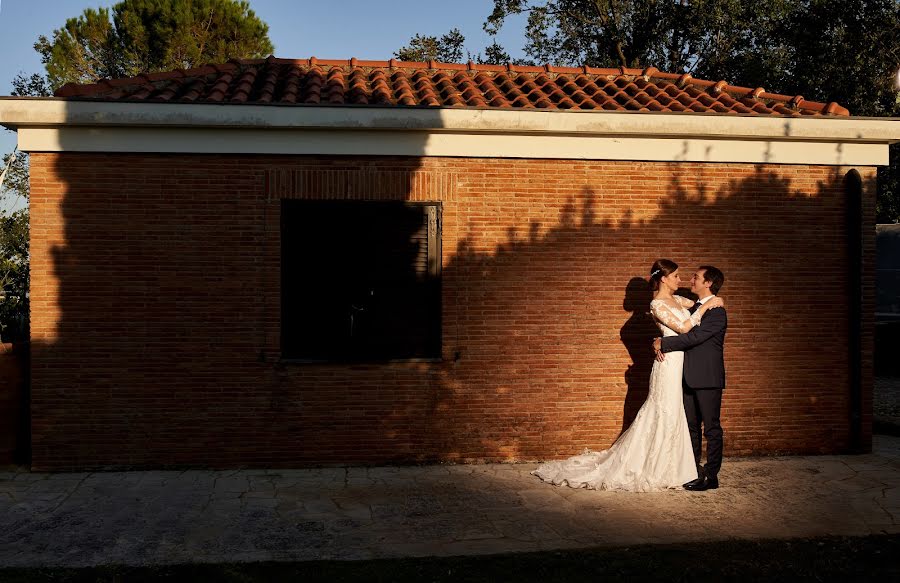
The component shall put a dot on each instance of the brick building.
(292, 263)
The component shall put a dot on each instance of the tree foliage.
(449, 49)
(138, 36)
(446, 49)
(846, 51)
(35, 85)
(14, 250)
(15, 183)
(494, 54)
(14, 274)
(14, 258)
(672, 35)
(133, 37)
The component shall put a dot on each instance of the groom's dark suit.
(704, 381)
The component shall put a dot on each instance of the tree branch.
(205, 35)
(621, 53)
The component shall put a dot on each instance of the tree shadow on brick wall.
(545, 330)
(776, 233)
(158, 341)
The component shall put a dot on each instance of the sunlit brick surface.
(155, 309)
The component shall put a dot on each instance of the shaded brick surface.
(13, 376)
(156, 309)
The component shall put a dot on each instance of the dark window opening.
(360, 280)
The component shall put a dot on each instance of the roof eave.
(16, 113)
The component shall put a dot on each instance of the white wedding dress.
(655, 452)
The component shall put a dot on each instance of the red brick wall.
(155, 309)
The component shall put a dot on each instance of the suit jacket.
(704, 361)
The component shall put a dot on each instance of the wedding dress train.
(655, 452)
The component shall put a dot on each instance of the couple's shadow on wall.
(637, 335)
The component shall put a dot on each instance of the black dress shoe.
(703, 483)
(693, 484)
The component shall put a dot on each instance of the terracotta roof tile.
(408, 84)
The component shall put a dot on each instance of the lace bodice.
(673, 320)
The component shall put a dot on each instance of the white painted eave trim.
(338, 142)
(54, 125)
(18, 113)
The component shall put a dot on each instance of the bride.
(654, 453)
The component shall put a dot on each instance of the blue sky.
(339, 29)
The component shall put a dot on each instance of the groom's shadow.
(637, 335)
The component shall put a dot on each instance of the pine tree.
(139, 36)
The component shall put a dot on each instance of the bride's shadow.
(637, 335)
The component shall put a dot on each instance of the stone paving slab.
(886, 403)
(154, 518)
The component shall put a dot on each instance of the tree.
(849, 51)
(139, 36)
(34, 86)
(672, 35)
(494, 54)
(826, 50)
(447, 49)
(14, 258)
(14, 249)
(136, 36)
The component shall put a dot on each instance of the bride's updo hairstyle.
(660, 269)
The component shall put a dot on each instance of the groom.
(704, 375)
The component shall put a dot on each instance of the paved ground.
(156, 518)
(886, 403)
